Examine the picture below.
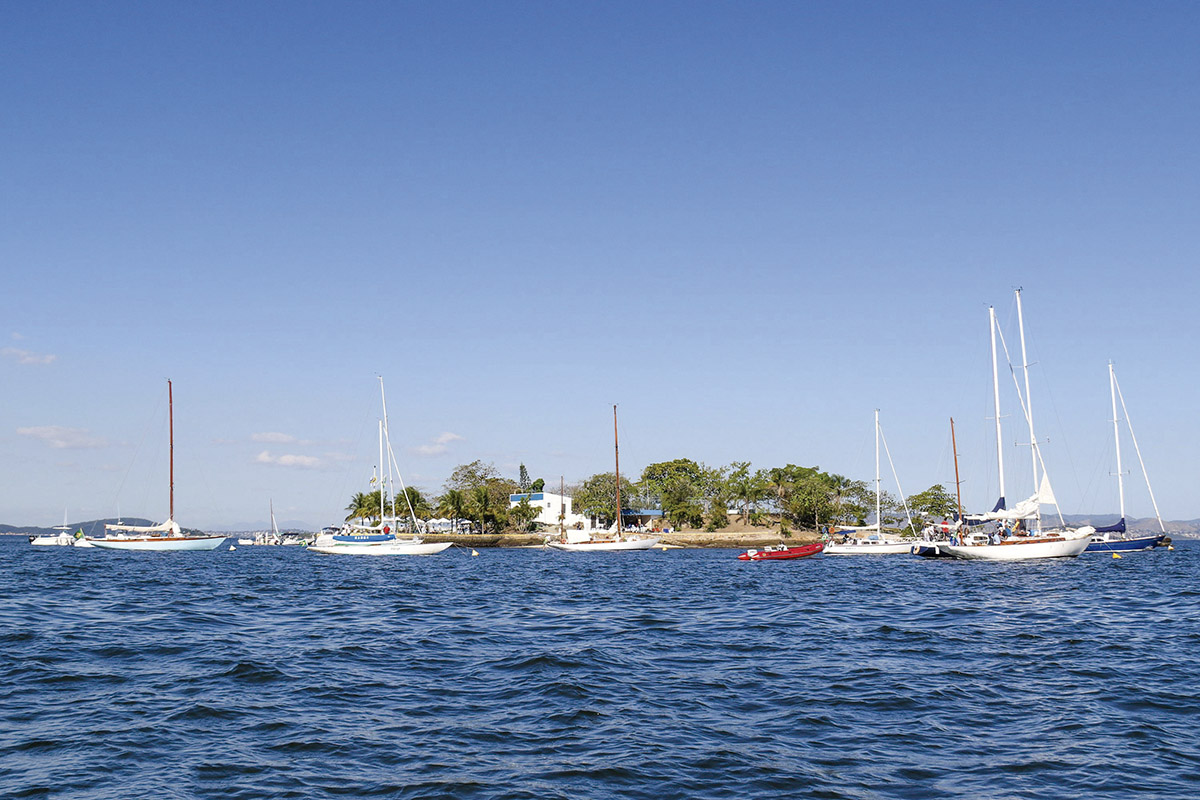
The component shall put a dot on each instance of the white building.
(549, 506)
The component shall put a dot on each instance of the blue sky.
(749, 224)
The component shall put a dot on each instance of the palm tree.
(481, 502)
(747, 487)
(453, 504)
(364, 506)
(360, 506)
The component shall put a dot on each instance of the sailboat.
(166, 536)
(265, 537)
(936, 534)
(1113, 538)
(61, 539)
(381, 539)
(1025, 539)
(584, 542)
(876, 542)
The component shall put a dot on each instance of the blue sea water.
(277, 673)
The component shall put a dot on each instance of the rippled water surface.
(277, 673)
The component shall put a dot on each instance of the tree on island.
(453, 504)
(597, 496)
(364, 506)
(746, 487)
(522, 515)
(934, 502)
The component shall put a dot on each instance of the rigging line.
(896, 477)
(1138, 450)
(1037, 450)
(149, 422)
(1063, 443)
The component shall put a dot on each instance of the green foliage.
(364, 506)
(521, 515)
(420, 506)
(657, 477)
(746, 487)
(523, 479)
(537, 486)
(597, 496)
(467, 477)
(679, 487)
(453, 504)
(934, 502)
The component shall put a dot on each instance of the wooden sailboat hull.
(1017, 550)
(158, 543)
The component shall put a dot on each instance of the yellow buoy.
(1170, 547)
(664, 549)
(1116, 555)
(474, 552)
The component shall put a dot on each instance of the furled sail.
(170, 527)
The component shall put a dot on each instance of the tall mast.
(617, 455)
(562, 508)
(878, 516)
(171, 429)
(1033, 452)
(957, 482)
(382, 496)
(1137, 449)
(996, 399)
(1112, 388)
(387, 436)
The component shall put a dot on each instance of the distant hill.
(1189, 527)
(94, 528)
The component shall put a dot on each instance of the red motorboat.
(781, 552)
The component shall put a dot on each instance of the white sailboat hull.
(868, 549)
(602, 545)
(158, 543)
(1016, 550)
(58, 539)
(397, 548)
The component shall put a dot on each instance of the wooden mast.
(957, 482)
(617, 455)
(562, 510)
(171, 428)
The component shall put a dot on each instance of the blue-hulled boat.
(1115, 538)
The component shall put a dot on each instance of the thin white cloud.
(27, 356)
(438, 446)
(288, 460)
(17, 337)
(60, 437)
(273, 438)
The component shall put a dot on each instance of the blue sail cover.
(1117, 527)
(999, 505)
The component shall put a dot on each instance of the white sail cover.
(1026, 509)
(170, 527)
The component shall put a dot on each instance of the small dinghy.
(782, 552)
